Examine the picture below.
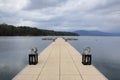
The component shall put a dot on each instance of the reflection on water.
(14, 54)
(105, 52)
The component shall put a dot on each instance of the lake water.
(14, 53)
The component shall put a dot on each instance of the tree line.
(10, 30)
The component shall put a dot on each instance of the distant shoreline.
(95, 33)
(10, 30)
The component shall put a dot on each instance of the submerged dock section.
(59, 61)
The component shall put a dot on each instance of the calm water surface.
(105, 52)
(14, 54)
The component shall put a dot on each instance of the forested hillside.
(10, 30)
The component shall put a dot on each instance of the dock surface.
(59, 61)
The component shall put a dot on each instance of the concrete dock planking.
(59, 61)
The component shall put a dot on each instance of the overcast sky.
(62, 15)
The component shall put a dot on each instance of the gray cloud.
(60, 15)
(40, 4)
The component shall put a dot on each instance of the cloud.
(12, 5)
(60, 15)
(39, 4)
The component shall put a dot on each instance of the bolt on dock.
(59, 61)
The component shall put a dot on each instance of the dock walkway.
(59, 61)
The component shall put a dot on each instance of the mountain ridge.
(95, 33)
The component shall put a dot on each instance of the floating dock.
(60, 61)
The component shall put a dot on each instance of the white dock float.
(59, 61)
